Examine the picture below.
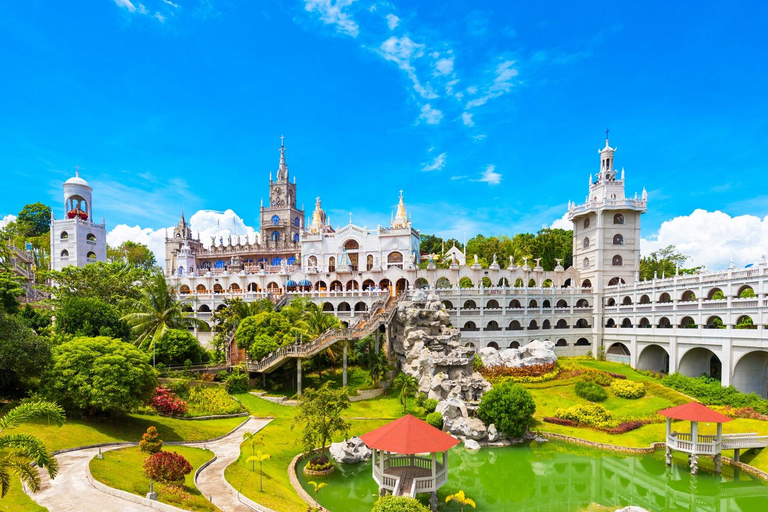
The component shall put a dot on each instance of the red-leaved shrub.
(561, 421)
(534, 370)
(167, 467)
(150, 441)
(624, 427)
(165, 401)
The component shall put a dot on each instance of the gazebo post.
(719, 453)
(668, 454)
(694, 458)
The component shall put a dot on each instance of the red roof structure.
(694, 411)
(409, 435)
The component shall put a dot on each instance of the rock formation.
(536, 352)
(350, 451)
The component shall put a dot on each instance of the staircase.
(381, 313)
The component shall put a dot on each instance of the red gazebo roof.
(694, 411)
(409, 435)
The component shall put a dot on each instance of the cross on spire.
(282, 141)
(606, 133)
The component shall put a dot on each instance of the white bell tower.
(77, 239)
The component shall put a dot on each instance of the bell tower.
(606, 228)
(281, 221)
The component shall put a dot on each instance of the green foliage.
(745, 322)
(465, 282)
(590, 391)
(150, 441)
(34, 220)
(167, 467)
(435, 419)
(710, 392)
(747, 293)
(209, 401)
(594, 415)
(35, 318)
(319, 414)
(235, 310)
(430, 404)
(24, 356)
(365, 355)
(177, 346)
(264, 333)
(111, 283)
(477, 365)
(718, 295)
(548, 244)
(628, 389)
(508, 406)
(89, 316)
(10, 291)
(408, 386)
(596, 376)
(99, 374)
(664, 262)
(237, 383)
(391, 503)
(132, 253)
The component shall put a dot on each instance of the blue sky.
(487, 114)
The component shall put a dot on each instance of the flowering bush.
(167, 467)
(741, 412)
(598, 377)
(590, 391)
(150, 441)
(165, 401)
(628, 389)
(591, 414)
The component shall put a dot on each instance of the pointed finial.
(282, 141)
(77, 171)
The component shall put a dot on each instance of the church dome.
(77, 180)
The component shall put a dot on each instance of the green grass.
(16, 500)
(80, 432)
(357, 378)
(123, 469)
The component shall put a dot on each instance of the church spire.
(282, 171)
(401, 217)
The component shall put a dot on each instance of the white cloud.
(126, 4)
(713, 238)
(444, 66)
(7, 220)
(333, 13)
(502, 83)
(168, 2)
(466, 118)
(431, 115)
(392, 21)
(159, 17)
(437, 164)
(490, 176)
(562, 223)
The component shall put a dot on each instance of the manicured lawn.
(16, 500)
(281, 442)
(123, 469)
(79, 432)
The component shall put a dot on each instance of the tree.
(664, 262)
(236, 310)
(320, 414)
(34, 220)
(509, 406)
(10, 291)
(431, 244)
(111, 283)
(132, 253)
(261, 334)
(17, 451)
(317, 488)
(460, 499)
(24, 356)
(391, 503)
(260, 458)
(176, 346)
(89, 316)
(99, 375)
(150, 441)
(408, 386)
(157, 311)
(368, 359)
(254, 438)
(35, 318)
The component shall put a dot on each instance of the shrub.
(532, 373)
(150, 441)
(594, 415)
(560, 421)
(429, 405)
(167, 467)
(710, 392)
(319, 463)
(628, 389)
(177, 346)
(212, 400)
(508, 406)
(743, 412)
(391, 503)
(435, 419)
(165, 401)
(598, 377)
(222, 375)
(625, 427)
(590, 391)
(419, 400)
(237, 383)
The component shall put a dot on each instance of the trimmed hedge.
(628, 389)
(594, 415)
(435, 419)
(710, 392)
(598, 377)
(591, 391)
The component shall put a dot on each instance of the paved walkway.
(71, 491)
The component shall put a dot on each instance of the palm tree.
(408, 386)
(157, 311)
(316, 322)
(461, 499)
(236, 310)
(254, 438)
(259, 457)
(317, 488)
(22, 449)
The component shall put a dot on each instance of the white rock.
(536, 352)
(493, 434)
(350, 451)
(632, 508)
(471, 444)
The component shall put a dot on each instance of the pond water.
(558, 476)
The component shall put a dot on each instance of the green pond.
(559, 476)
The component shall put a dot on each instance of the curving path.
(71, 491)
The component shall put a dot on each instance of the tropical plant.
(150, 441)
(236, 310)
(167, 467)
(17, 451)
(317, 487)
(408, 386)
(157, 311)
(320, 414)
(461, 499)
(254, 438)
(237, 382)
(260, 458)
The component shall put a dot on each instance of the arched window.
(296, 222)
(586, 262)
(616, 262)
(275, 236)
(332, 264)
(369, 262)
(395, 259)
(296, 237)
(618, 240)
(275, 220)
(64, 254)
(586, 223)
(291, 260)
(618, 219)
(64, 235)
(91, 256)
(90, 237)
(586, 243)
(312, 261)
